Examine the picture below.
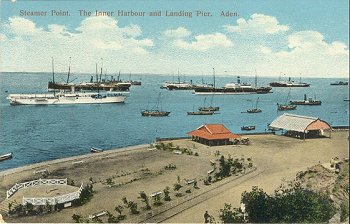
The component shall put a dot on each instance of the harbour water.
(40, 133)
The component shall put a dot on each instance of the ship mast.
(96, 73)
(53, 76)
(101, 69)
(98, 82)
(53, 71)
(214, 76)
(69, 70)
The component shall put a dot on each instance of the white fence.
(53, 200)
(33, 183)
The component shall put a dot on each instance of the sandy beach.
(140, 168)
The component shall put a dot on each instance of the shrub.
(156, 200)
(166, 194)
(144, 198)
(344, 211)
(229, 215)
(77, 218)
(177, 186)
(290, 205)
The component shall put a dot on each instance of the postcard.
(174, 111)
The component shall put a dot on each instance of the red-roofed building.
(213, 134)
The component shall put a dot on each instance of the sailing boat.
(287, 106)
(255, 110)
(68, 85)
(201, 112)
(210, 108)
(155, 112)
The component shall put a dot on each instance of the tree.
(258, 205)
(177, 186)
(112, 218)
(29, 208)
(225, 168)
(86, 194)
(295, 205)
(144, 198)
(77, 218)
(120, 209)
(133, 208)
(231, 215)
(166, 194)
(109, 181)
(125, 201)
(156, 200)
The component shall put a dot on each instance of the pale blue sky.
(298, 23)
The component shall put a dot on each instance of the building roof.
(299, 123)
(213, 132)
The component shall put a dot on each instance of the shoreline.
(68, 159)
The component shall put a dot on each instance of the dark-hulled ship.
(90, 86)
(233, 88)
(289, 83)
(339, 83)
(308, 102)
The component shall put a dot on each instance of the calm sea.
(39, 133)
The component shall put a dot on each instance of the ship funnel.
(238, 79)
(305, 97)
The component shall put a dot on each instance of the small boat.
(286, 106)
(210, 108)
(248, 128)
(339, 83)
(282, 107)
(135, 83)
(200, 113)
(256, 109)
(95, 150)
(6, 156)
(155, 112)
(309, 102)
